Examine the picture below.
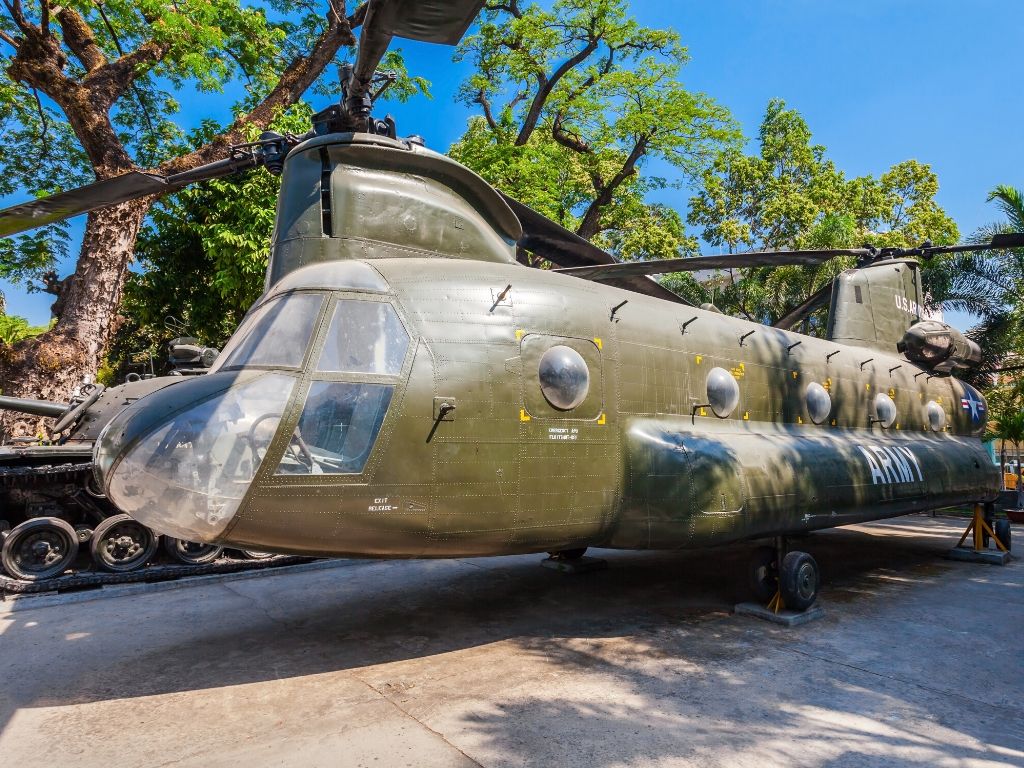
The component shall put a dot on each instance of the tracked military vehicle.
(50, 509)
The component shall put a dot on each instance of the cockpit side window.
(277, 334)
(364, 337)
(338, 427)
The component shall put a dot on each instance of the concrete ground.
(500, 662)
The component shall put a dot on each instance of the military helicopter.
(405, 388)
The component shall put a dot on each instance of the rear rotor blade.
(64, 205)
(999, 242)
(698, 263)
(560, 246)
(818, 299)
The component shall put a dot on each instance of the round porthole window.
(564, 377)
(885, 410)
(723, 392)
(819, 402)
(936, 416)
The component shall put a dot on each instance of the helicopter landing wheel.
(120, 544)
(190, 552)
(799, 580)
(40, 548)
(1002, 532)
(569, 554)
(763, 573)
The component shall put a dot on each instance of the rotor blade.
(1000, 242)
(560, 246)
(435, 21)
(818, 299)
(698, 263)
(553, 241)
(64, 205)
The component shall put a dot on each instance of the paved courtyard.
(918, 661)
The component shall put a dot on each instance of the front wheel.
(40, 548)
(799, 581)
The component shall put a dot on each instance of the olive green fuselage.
(643, 462)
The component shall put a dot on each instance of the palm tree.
(1009, 428)
(986, 284)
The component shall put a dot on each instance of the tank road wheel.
(254, 554)
(120, 544)
(190, 552)
(40, 548)
(1002, 532)
(569, 554)
(763, 573)
(799, 581)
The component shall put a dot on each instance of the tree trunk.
(50, 366)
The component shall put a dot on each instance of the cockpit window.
(364, 337)
(337, 429)
(277, 335)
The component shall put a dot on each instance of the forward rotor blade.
(560, 246)
(435, 21)
(698, 263)
(64, 205)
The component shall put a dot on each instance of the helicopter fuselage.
(435, 436)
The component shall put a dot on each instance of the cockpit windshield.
(276, 334)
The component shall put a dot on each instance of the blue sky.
(879, 81)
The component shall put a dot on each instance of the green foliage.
(14, 329)
(990, 285)
(576, 98)
(790, 195)
(201, 259)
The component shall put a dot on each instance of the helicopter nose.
(181, 459)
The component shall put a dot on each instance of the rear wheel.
(763, 573)
(120, 544)
(1002, 531)
(190, 552)
(41, 548)
(799, 581)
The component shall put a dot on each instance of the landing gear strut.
(786, 580)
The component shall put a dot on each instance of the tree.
(14, 328)
(86, 97)
(989, 285)
(575, 98)
(202, 258)
(790, 195)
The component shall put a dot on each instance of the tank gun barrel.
(34, 407)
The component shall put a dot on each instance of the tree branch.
(294, 81)
(482, 100)
(547, 85)
(9, 40)
(80, 39)
(590, 223)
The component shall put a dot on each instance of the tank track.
(37, 476)
(147, 574)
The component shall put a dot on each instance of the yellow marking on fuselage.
(602, 419)
(598, 342)
(519, 334)
(523, 415)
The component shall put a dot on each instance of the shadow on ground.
(654, 627)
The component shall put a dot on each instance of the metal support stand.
(981, 528)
